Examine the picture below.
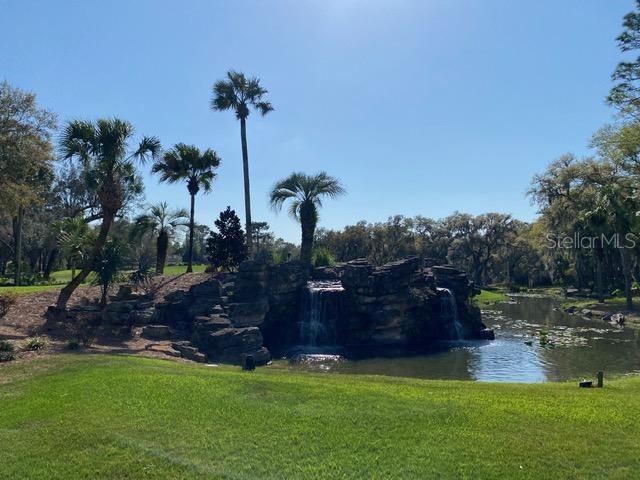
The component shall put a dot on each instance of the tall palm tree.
(102, 147)
(163, 222)
(186, 163)
(304, 193)
(239, 93)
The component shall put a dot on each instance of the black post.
(600, 379)
(248, 363)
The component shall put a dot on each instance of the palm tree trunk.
(308, 226)
(247, 189)
(67, 291)
(17, 235)
(191, 228)
(161, 252)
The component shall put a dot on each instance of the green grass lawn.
(84, 416)
(172, 270)
(60, 278)
(488, 298)
(610, 304)
(28, 289)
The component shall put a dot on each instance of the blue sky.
(419, 107)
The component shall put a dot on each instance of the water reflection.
(576, 347)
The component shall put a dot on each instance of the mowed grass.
(62, 277)
(487, 298)
(83, 416)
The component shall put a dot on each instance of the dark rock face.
(156, 332)
(220, 317)
(283, 291)
(125, 310)
(401, 304)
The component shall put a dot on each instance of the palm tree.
(187, 163)
(305, 193)
(161, 221)
(239, 93)
(102, 147)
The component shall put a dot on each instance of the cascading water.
(321, 306)
(449, 310)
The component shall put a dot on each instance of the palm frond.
(238, 92)
(186, 163)
(78, 139)
(148, 148)
(302, 189)
(264, 107)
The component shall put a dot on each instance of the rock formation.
(231, 316)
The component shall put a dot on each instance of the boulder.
(211, 289)
(140, 317)
(189, 352)
(156, 332)
(162, 348)
(248, 314)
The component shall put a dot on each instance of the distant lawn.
(60, 278)
(172, 270)
(610, 304)
(84, 416)
(488, 298)
(29, 289)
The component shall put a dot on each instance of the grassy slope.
(62, 277)
(124, 417)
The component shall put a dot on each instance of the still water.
(575, 347)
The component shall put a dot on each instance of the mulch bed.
(26, 317)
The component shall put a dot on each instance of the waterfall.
(321, 305)
(449, 311)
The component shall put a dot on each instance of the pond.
(535, 342)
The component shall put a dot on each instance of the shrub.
(107, 267)
(35, 343)
(7, 356)
(141, 276)
(322, 257)
(226, 248)
(73, 345)
(85, 331)
(6, 300)
(6, 351)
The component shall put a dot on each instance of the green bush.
(6, 351)
(35, 343)
(73, 345)
(107, 267)
(322, 257)
(6, 356)
(143, 274)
